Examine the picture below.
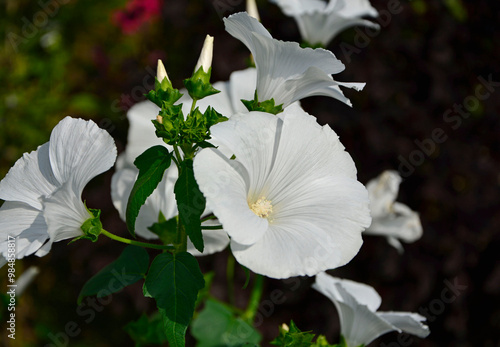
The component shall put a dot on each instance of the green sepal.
(293, 337)
(92, 227)
(217, 325)
(199, 86)
(264, 106)
(165, 229)
(164, 93)
(151, 164)
(321, 341)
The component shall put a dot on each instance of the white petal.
(80, 150)
(226, 192)
(141, 132)
(65, 213)
(408, 322)
(26, 224)
(30, 178)
(293, 7)
(362, 293)
(242, 85)
(358, 8)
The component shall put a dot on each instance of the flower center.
(262, 207)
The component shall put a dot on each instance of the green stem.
(181, 237)
(134, 243)
(212, 227)
(254, 301)
(208, 218)
(178, 156)
(193, 106)
(230, 278)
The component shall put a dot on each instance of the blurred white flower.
(285, 71)
(392, 219)
(357, 305)
(320, 21)
(141, 136)
(42, 191)
(289, 199)
(25, 279)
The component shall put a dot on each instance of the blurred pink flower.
(135, 14)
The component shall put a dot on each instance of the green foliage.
(165, 229)
(217, 325)
(190, 203)
(146, 331)
(151, 164)
(199, 86)
(174, 281)
(264, 106)
(127, 269)
(293, 337)
(91, 227)
(457, 9)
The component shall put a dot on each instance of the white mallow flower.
(205, 59)
(392, 219)
(357, 305)
(320, 21)
(42, 191)
(141, 136)
(285, 71)
(285, 191)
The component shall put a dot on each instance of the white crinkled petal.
(26, 224)
(358, 324)
(294, 7)
(141, 132)
(408, 322)
(364, 294)
(358, 8)
(242, 85)
(383, 191)
(30, 178)
(65, 213)
(80, 150)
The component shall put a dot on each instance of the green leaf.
(151, 164)
(127, 269)
(190, 203)
(174, 281)
(146, 331)
(217, 326)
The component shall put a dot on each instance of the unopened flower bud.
(252, 9)
(205, 60)
(159, 119)
(161, 73)
(285, 327)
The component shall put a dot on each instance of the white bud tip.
(252, 9)
(205, 59)
(161, 73)
(285, 327)
(159, 119)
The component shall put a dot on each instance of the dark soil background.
(422, 70)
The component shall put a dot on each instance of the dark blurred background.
(94, 59)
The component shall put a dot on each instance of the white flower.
(141, 136)
(390, 218)
(289, 200)
(25, 279)
(205, 59)
(285, 71)
(320, 21)
(357, 305)
(42, 191)
(252, 9)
